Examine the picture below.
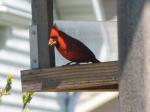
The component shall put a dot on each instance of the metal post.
(42, 56)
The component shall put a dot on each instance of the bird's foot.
(76, 63)
(71, 63)
(68, 64)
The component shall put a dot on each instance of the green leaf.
(27, 110)
(8, 86)
(27, 97)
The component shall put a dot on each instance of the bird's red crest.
(54, 31)
(55, 27)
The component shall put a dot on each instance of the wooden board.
(85, 77)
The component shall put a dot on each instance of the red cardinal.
(70, 48)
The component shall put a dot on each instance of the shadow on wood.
(87, 77)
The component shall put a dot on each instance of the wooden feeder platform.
(85, 77)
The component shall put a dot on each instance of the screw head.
(34, 61)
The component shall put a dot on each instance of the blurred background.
(15, 18)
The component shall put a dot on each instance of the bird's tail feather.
(96, 61)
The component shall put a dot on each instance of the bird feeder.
(46, 76)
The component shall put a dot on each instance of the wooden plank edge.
(58, 88)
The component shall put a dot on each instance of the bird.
(70, 48)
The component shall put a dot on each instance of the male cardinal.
(70, 48)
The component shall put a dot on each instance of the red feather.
(71, 48)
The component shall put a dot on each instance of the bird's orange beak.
(52, 42)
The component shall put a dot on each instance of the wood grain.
(85, 77)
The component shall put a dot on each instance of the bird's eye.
(55, 38)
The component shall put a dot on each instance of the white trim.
(18, 13)
(73, 100)
(21, 5)
(98, 9)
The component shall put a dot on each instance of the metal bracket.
(33, 46)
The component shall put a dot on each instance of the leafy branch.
(8, 87)
(27, 97)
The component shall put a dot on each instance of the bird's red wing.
(83, 51)
(73, 43)
(76, 48)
